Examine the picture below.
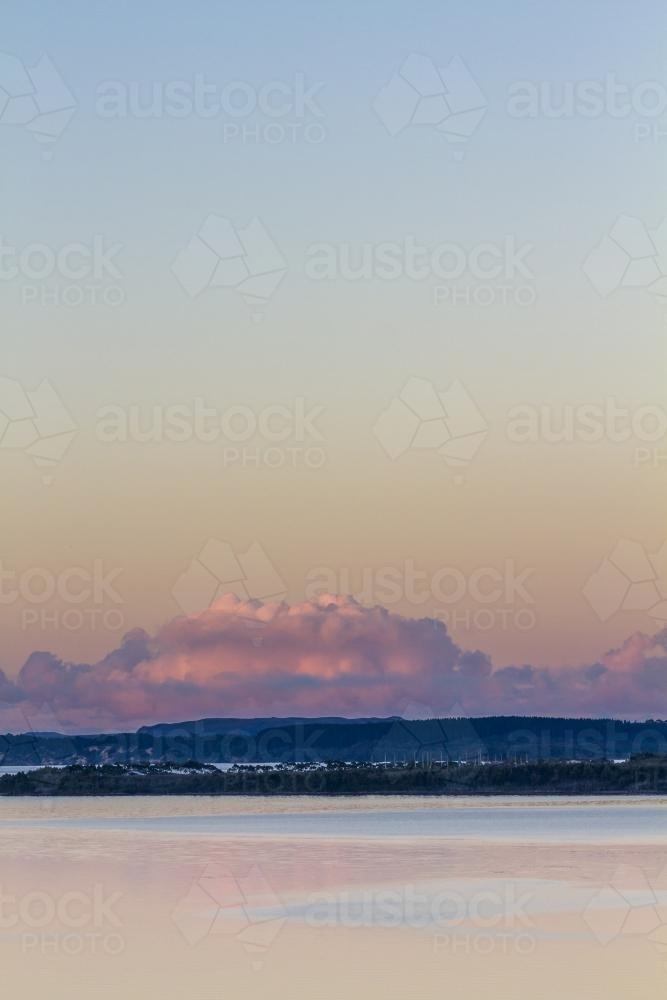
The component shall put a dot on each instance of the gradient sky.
(148, 508)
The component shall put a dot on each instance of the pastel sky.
(543, 299)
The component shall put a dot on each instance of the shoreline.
(641, 776)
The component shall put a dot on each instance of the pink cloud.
(331, 656)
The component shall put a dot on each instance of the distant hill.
(219, 727)
(394, 740)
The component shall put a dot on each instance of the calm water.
(374, 897)
(503, 819)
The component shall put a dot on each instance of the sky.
(355, 312)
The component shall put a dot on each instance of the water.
(27, 768)
(23, 768)
(371, 897)
(510, 819)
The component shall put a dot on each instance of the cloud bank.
(331, 656)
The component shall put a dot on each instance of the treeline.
(644, 774)
(394, 741)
